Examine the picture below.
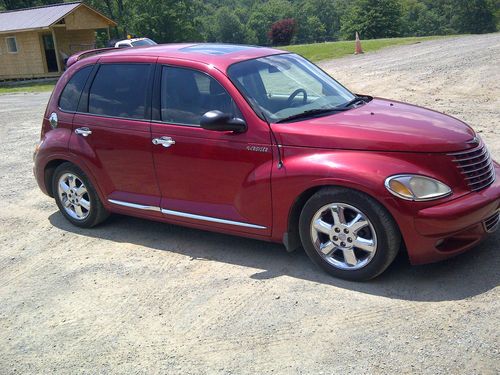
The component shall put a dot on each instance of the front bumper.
(456, 226)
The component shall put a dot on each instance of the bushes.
(282, 32)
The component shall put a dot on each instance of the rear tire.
(76, 197)
(348, 234)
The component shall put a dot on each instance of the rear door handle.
(83, 131)
(164, 141)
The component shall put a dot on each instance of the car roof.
(218, 55)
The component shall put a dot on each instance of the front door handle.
(83, 131)
(164, 141)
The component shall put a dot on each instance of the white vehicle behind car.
(135, 42)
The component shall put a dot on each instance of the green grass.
(333, 50)
(27, 87)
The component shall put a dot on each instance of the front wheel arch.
(377, 216)
(292, 238)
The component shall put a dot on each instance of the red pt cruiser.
(261, 143)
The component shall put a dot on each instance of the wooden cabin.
(35, 42)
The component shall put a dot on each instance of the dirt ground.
(139, 297)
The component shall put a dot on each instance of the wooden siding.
(29, 59)
(84, 18)
(74, 41)
(74, 34)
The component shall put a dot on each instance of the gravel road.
(139, 297)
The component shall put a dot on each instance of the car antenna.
(280, 159)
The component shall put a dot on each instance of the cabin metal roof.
(37, 17)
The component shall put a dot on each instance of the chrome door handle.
(164, 141)
(83, 131)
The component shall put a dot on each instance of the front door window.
(186, 95)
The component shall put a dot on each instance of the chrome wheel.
(343, 236)
(74, 196)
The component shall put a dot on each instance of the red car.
(261, 143)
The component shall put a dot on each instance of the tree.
(419, 20)
(372, 19)
(264, 14)
(165, 20)
(474, 16)
(118, 10)
(19, 4)
(317, 20)
(282, 31)
(226, 27)
(311, 30)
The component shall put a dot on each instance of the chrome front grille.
(476, 166)
(491, 223)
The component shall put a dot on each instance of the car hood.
(380, 125)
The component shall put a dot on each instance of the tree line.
(289, 21)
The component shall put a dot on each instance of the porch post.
(58, 58)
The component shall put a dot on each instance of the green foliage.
(165, 20)
(474, 16)
(224, 25)
(19, 4)
(312, 30)
(249, 21)
(263, 15)
(372, 19)
(418, 19)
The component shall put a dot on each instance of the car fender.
(304, 172)
(44, 159)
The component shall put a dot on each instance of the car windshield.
(143, 42)
(287, 86)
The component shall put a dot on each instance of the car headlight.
(416, 188)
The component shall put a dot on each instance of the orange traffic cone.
(358, 45)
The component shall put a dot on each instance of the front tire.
(76, 197)
(348, 234)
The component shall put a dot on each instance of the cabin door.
(50, 53)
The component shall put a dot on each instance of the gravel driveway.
(134, 296)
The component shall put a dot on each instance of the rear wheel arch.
(76, 196)
(51, 167)
(49, 170)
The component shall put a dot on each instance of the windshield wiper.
(356, 99)
(311, 112)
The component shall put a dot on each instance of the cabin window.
(11, 44)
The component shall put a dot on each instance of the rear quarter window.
(73, 89)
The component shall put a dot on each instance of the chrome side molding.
(185, 214)
(134, 205)
(210, 219)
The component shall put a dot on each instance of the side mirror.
(223, 122)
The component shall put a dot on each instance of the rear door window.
(120, 90)
(187, 94)
(73, 89)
